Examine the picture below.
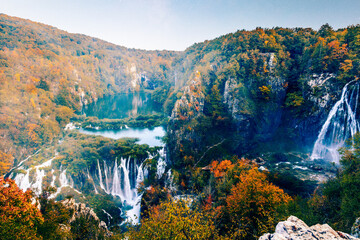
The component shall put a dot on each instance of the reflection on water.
(145, 135)
(122, 106)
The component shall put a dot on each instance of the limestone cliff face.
(254, 117)
(191, 102)
(187, 108)
(320, 94)
(138, 79)
(294, 228)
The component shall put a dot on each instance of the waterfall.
(161, 165)
(341, 124)
(23, 180)
(122, 180)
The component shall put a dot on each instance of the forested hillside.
(47, 74)
(242, 114)
(263, 86)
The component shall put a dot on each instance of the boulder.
(294, 228)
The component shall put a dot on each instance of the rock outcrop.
(355, 230)
(294, 228)
(81, 211)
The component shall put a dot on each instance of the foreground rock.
(294, 228)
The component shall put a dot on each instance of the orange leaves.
(6, 161)
(256, 201)
(30, 88)
(19, 218)
(347, 65)
(219, 169)
(32, 132)
(251, 203)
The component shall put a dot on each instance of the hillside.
(242, 113)
(46, 74)
(260, 89)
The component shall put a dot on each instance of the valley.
(250, 127)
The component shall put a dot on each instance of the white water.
(151, 137)
(122, 180)
(23, 180)
(341, 124)
(161, 165)
(35, 183)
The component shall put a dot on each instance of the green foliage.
(54, 213)
(294, 100)
(337, 201)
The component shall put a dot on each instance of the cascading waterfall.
(24, 182)
(33, 178)
(122, 180)
(341, 124)
(119, 178)
(160, 168)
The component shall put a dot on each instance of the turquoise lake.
(124, 106)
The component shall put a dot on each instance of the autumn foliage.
(6, 161)
(175, 220)
(247, 205)
(254, 203)
(19, 218)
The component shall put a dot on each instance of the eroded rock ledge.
(294, 228)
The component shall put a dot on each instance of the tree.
(350, 181)
(338, 201)
(252, 205)
(55, 216)
(174, 220)
(19, 218)
(6, 161)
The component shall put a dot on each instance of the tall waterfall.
(122, 179)
(341, 124)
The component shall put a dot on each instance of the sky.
(177, 24)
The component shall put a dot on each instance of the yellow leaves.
(346, 65)
(6, 161)
(265, 90)
(174, 220)
(35, 80)
(17, 77)
(32, 103)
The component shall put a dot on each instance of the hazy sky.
(177, 24)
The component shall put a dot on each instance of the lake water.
(151, 137)
(124, 106)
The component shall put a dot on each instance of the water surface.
(151, 137)
(122, 106)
